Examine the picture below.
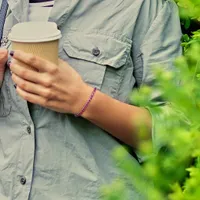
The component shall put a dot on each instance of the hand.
(57, 87)
(3, 60)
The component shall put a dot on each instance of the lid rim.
(55, 33)
(42, 39)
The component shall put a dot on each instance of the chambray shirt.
(45, 155)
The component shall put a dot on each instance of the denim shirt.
(45, 155)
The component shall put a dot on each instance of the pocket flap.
(101, 49)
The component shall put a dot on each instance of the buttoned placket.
(24, 166)
(22, 183)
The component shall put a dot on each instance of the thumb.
(3, 60)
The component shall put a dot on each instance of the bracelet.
(87, 103)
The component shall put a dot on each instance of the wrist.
(82, 98)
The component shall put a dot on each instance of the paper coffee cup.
(38, 38)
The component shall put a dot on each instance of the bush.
(174, 172)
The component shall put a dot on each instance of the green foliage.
(188, 41)
(189, 9)
(174, 172)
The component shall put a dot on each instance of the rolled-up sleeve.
(160, 45)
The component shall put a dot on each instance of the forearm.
(117, 118)
(49, 90)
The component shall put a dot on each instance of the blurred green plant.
(172, 173)
(189, 10)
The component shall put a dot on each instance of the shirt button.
(4, 41)
(29, 130)
(96, 51)
(23, 180)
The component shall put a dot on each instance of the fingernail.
(12, 53)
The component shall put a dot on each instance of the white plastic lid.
(34, 32)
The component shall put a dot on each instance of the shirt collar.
(59, 14)
(19, 9)
(62, 11)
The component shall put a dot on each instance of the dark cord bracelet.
(87, 103)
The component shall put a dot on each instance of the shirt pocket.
(91, 54)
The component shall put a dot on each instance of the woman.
(48, 153)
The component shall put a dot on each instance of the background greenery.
(174, 172)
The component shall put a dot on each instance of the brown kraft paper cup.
(45, 50)
(38, 38)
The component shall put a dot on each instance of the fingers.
(30, 75)
(32, 87)
(33, 98)
(34, 61)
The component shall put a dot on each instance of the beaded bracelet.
(87, 103)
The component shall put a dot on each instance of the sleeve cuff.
(159, 125)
